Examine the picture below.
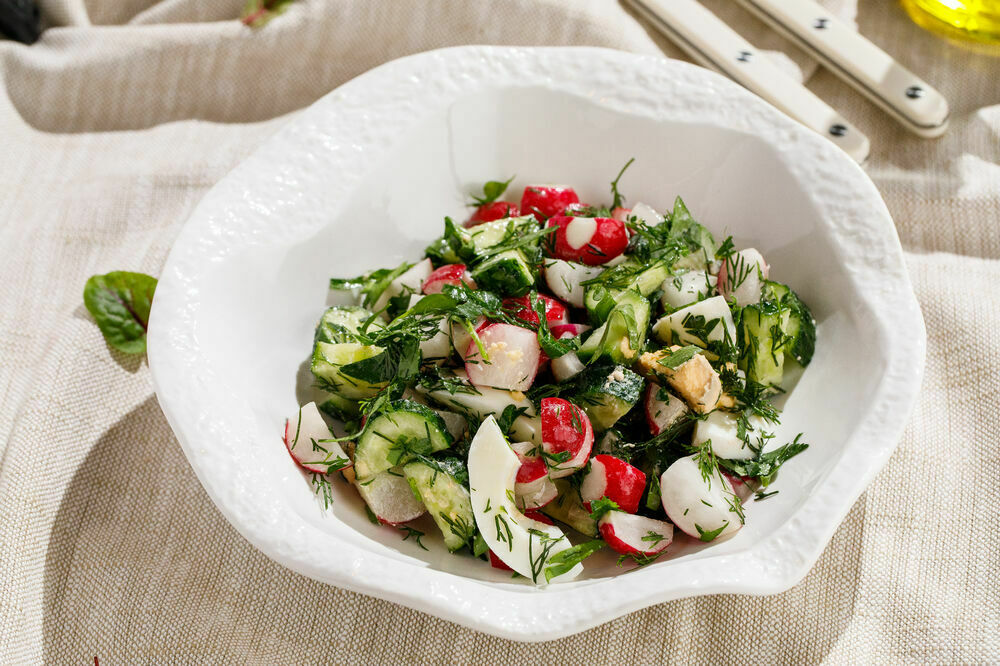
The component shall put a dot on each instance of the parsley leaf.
(602, 506)
(764, 466)
(565, 560)
(679, 357)
(492, 191)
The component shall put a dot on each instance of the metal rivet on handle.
(745, 56)
(914, 92)
(838, 130)
(821, 23)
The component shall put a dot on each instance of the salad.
(554, 369)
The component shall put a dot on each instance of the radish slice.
(412, 279)
(589, 240)
(615, 479)
(563, 331)
(521, 307)
(720, 428)
(544, 201)
(302, 434)
(567, 366)
(702, 508)
(565, 279)
(741, 488)
(513, 356)
(496, 210)
(647, 214)
(518, 540)
(742, 275)
(686, 288)
(567, 436)
(453, 274)
(390, 498)
(621, 214)
(635, 535)
(533, 488)
(661, 414)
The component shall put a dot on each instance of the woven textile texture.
(116, 123)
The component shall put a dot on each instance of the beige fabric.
(109, 546)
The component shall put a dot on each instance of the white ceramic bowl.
(364, 177)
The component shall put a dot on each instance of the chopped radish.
(512, 357)
(741, 276)
(496, 210)
(660, 413)
(705, 508)
(567, 366)
(686, 288)
(412, 279)
(740, 485)
(563, 331)
(621, 214)
(589, 240)
(302, 434)
(533, 488)
(544, 201)
(454, 274)
(615, 479)
(566, 279)
(389, 497)
(521, 307)
(567, 436)
(647, 214)
(497, 563)
(721, 429)
(635, 535)
(461, 338)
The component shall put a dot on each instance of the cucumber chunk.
(607, 392)
(764, 342)
(447, 500)
(801, 326)
(623, 335)
(698, 240)
(327, 365)
(568, 508)
(340, 408)
(600, 299)
(506, 273)
(395, 436)
(341, 322)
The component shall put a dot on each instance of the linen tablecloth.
(116, 123)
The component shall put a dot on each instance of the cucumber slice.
(446, 499)
(568, 508)
(623, 335)
(601, 300)
(801, 324)
(340, 408)
(485, 236)
(699, 241)
(764, 342)
(507, 273)
(607, 392)
(393, 437)
(341, 322)
(327, 364)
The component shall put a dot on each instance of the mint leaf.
(119, 303)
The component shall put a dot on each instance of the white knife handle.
(712, 43)
(916, 105)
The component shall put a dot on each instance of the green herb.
(640, 559)
(410, 532)
(371, 515)
(492, 191)
(503, 531)
(509, 414)
(761, 495)
(764, 466)
(710, 535)
(460, 527)
(677, 358)
(371, 284)
(321, 484)
(653, 537)
(565, 560)
(120, 303)
(602, 506)
(257, 13)
(618, 199)
(547, 543)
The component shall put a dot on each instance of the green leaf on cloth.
(120, 302)
(257, 13)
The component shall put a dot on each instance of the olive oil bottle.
(975, 21)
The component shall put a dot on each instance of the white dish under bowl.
(363, 179)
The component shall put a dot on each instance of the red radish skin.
(453, 274)
(496, 210)
(614, 479)
(740, 486)
(300, 431)
(497, 563)
(660, 414)
(544, 201)
(625, 533)
(602, 239)
(556, 312)
(533, 488)
(565, 427)
(563, 331)
(513, 357)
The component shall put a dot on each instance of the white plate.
(364, 177)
